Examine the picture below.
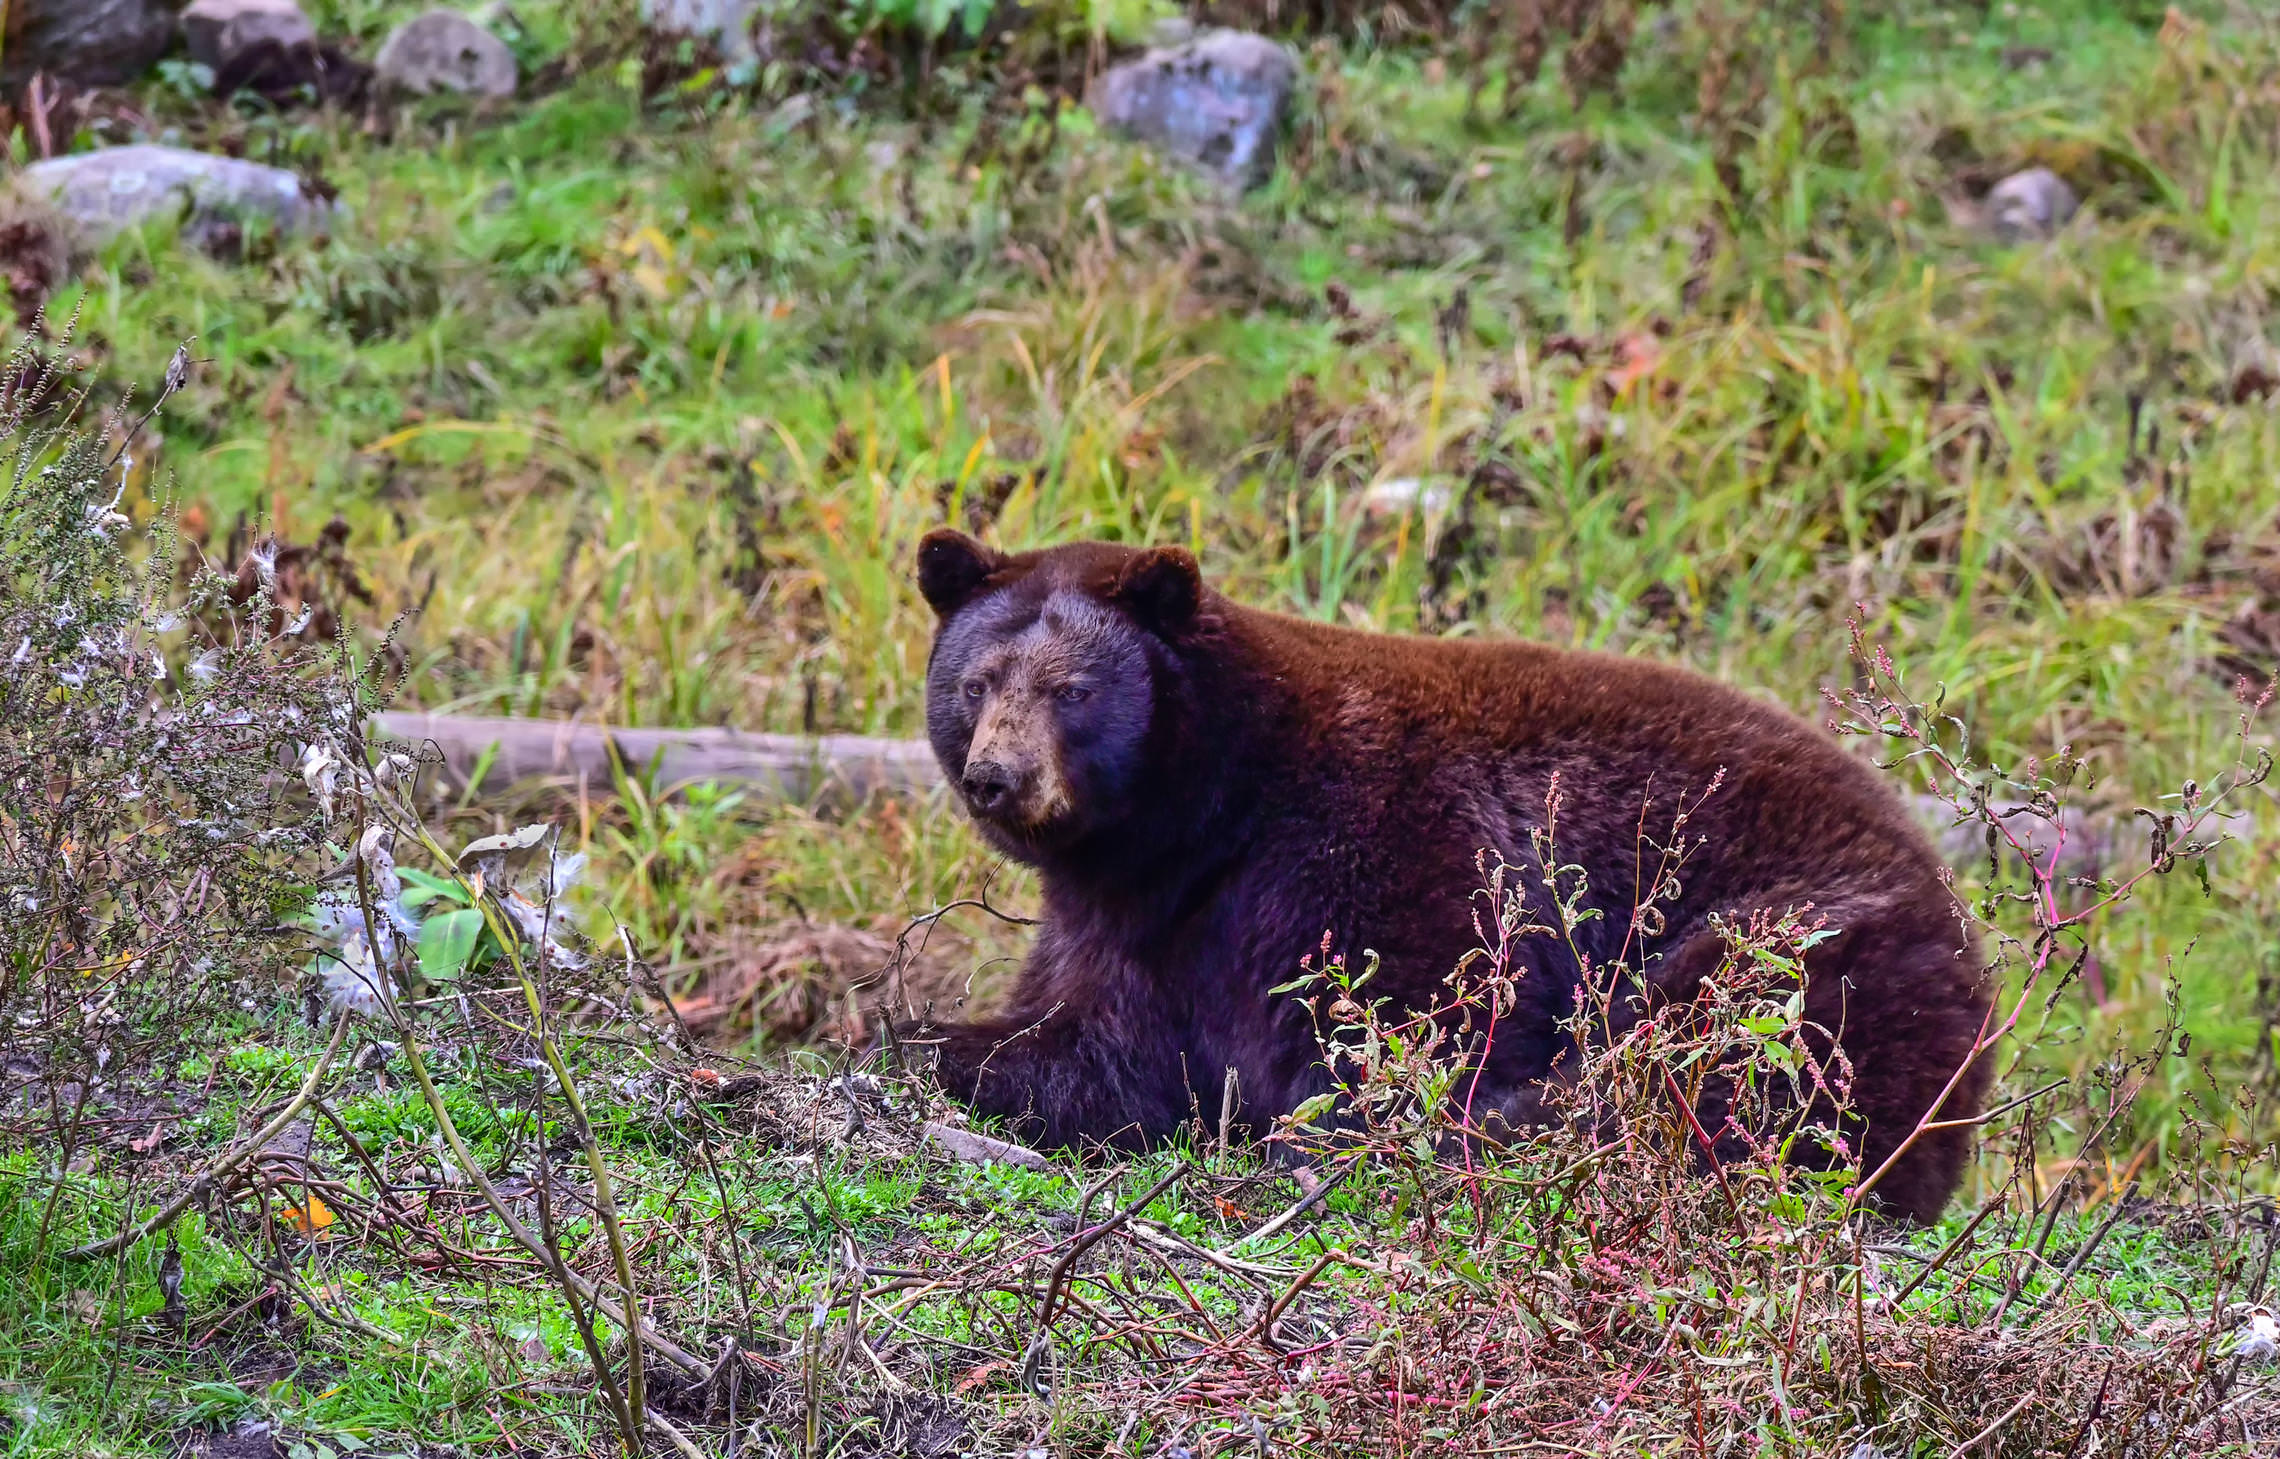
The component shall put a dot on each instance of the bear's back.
(1495, 718)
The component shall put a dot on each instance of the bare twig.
(1300, 1207)
(2098, 1237)
(1087, 1240)
(226, 1162)
(1992, 1429)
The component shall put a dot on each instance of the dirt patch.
(808, 982)
(252, 1439)
(133, 1114)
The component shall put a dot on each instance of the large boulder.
(106, 192)
(219, 33)
(1217, 102)
(444, 51)
(92, 42)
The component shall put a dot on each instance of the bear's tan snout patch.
(1013, 771)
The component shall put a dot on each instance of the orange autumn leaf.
(312, 1218)
(1636, 357)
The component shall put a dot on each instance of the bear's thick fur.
(1206, 789)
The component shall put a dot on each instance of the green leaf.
(1313, 1109)
(420, 889)
(446, 943)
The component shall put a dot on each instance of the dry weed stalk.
(177, 774)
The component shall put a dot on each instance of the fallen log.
(505, 752)
(480, 753)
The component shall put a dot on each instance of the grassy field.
(635, 395)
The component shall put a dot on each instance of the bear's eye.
(976, 688)
(1072, 694)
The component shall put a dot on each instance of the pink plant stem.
(2047, 916)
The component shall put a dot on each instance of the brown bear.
(1207, 789)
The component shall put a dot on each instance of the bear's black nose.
(990, 786)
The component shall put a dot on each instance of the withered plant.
(162, 790)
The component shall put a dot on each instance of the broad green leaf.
(420, 888)
(447, 941)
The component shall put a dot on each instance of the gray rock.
(445, 51)
(218, 32)
(1217, 101)
(107, 192)
(2032, 204)
(725, 25)
(92, 42)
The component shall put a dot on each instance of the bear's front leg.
(1064, 1078)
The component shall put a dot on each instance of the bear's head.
(1044, 686)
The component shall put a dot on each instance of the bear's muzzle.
(1013, 770)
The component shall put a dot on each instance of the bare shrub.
(164, 792)
(190, 816)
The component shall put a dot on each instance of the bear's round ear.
(1162, 587)
(951, 568)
